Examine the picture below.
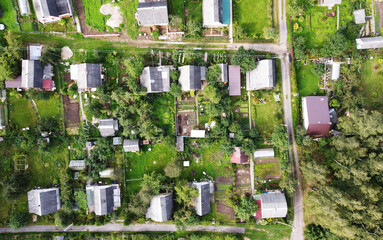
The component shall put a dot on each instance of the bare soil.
(242, 176)
(224, 180)
(71, 110)
(221, 208)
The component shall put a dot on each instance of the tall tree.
(245, 58)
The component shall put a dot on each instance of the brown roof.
(318, 115)
(15, 83)
(238, 156)
(234, 80)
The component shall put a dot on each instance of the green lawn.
(308, 82)
(252, 16)
(164, 110)
(267, 169)
(372, 84)
(265, 118)
(49, 108)
(22, 112)
(9, 15)
(269, 232)
(93, 17)
(193, 10)
(128, 10)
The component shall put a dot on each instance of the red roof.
(15, 83)
(234, 80)
(317, 115)
(238, 156)
(258, 215)
(47, 84)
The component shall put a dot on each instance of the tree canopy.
(245, 58)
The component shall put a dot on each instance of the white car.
(2, 27)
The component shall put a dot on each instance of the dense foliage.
(245, 58)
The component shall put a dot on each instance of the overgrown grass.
(128, 10)
(21, 112)
(176, 7)
(267, 169)
(93, 17)
(372, 85)
(9, 15)
(308, 82)
(268, 232)
(193, 11)
(49, 108)
(163, 111)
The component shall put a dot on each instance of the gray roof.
(87, 75)
(131, 145)
(161, 208)
(24, 7)
(44, 201)
(224, 76)
(156, 79)
(202, 202)
(117, 141)
(212, 13)
(180, 143)
(77, 165)
(191, 77)
(31, 74)
(103, 199)
(316, 115)
(261, 77)
(369, 42)
(273, 205)
(152, 13)
(360, 16)
(108, 127)
(63, 7)
(45, 8)
(329, 3)
(264, 153)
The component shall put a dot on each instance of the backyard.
(267, 116)
(49, 108)
(193, 10)
(93, 17)
(372, 85)
(269, 169)
(21, 112)
(308, 82)
(9, 15)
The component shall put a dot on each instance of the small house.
(191, 77)
(264, 153)
(87, 75)
(151, 13)
(223, 77)
(369, 42)
(335, 70)
(117, 141)
(234, 80)
(202, 201)
(156, 79)
(161, 208)
(24, 7)
(273, 205)
(360, 16)
(35, 51)
(44, 201)
(50, 11)
(103, 200)
(329, 3)
(131, 145)
(108, 127)
(216, 13)
(262, 76)
(238, 156)
(77, 165)
(197, 134)
(316, 115)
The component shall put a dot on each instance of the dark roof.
(101, 199)
(234, 80)
(161, 208)
(93, 75)
(31, 74)
(106, 197)
(191, 77)
(316, 115)
(153, 13)
(156, 79)
(202, 202)
(43, 201)
(63, 7)
(47, 8)
(16, 83)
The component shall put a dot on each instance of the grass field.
(49, 108)
(93, 17)
(372, 84)
(308, 82)
(9, 15)
(265, 118)
(252, 16)
(268, 232)
(267, 169)
(21, 112)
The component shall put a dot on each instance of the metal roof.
(44, 201)
(45, 9)
(31, 74)
(87, 75)
(161, 208)
(360, 16)
(202, 202)
(264, 153)
(35, 51)
(234, 80)
(329, 3)
(131, 145)
(16, 83)
(152, 13)
(24, 7)
(108, 127)
(273, 205)
(335, 70)
(316, 115)
(117, 141)
(77, 164)
(223, 67)
(198, 133)
(212, 13)
(156, 79)
(103, 199)
(191, 77)
(369, 42)
(63, 7)
(238, 156)
(262, 76)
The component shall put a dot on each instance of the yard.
(267, 170)
(308, 82)
(193, 10)
(164, 110)
(176, 7)
(93, 17)
(21, 112)
(267, 116)
(372, 85)
(49, 108)
(9, 15)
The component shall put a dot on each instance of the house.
(35, 51)
(234, 80)
(191, 77)
(223, 77)
(360, 16)
(150, 13)
(161, 208)
(117, 141)
(24, 7)
(316, 116)
(156, 79)
(87, 75)
(273, 205)
(264, 153)
(48, 83)
(329, 3)
(103, 200)
(50, 11)
(261, 77)
(335, 70)
(131, 145)
(108, 127)
(202, 201)
(238, 156)
(197, 134)
(216, 13)
(44, 201)
(369, 42)
(77, 165)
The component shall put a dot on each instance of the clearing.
(49, 108)
(372, 82)
(308, 82)
(21, 112)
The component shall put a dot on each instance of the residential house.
(198, 134)
(329, 3)
(77, 165)
(316, 116)
(264, 153)
(161, 208)
(262, 76)
(44, 201)
(216, 13)
(50, 11)
(234, 80)
(369, 42)
(35, 51)
(223, 77)
(103, 200)
(360, 16)
(150, 13)
(238, 156)
(273, 205)
(156, 79)
(131, 145)
(87, 75)
(108, 127)
(202, 201)
(191, 77)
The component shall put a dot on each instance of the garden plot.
(267, 169)
(372, 85)
(186, 116)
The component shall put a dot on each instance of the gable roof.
(44, 201)
(24, 7)
(156, 79)
(108, 127)
(35, 51)
(223, 76)
(264, 153)
(131, 145)
(45, 8)
(77, 164)
(212, 13)
(360, 16)
(191, 77)
(31, 74)
(273, 205)
(316, 115)
(161, 208)
(369, 42)
(63, 7)
(262, 76)
(197, 133)
(234, 80)
(202, 201)
(238, 156)
(103, 199)
(152, 13)
(117, 141)
(87, 75)
(329, 3)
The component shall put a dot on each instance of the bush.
(194, 29)
(18, 220)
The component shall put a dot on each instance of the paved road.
(118, 227)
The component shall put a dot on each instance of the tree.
(99, 157)
(245, 208)
(212, 94)
(213, 73)
(80, 198)
(134, 66)
(185, 194)
(194, 29)
(319, 69)
(51, 55)
(245, 58)
(280, 138)
(300, 47)
(175, 75)
(249, 146)
(10, 56)
(238, 31)
(176, 90)
(73, 89)
(94, 108)
(335, 45)
(173, 169)
(18, 220)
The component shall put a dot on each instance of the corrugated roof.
(77, 164)
(223, 67)
(152, 13)
(35, 52)
(202, 202)
(101, 199)
(191, 77)
(131, 145)
(156, 79)
(330, 3)
(87, 75)
(44, 201)
(45, 9)
(316, 115)
(264, 153)
(16, 83)
(212, 13)
(360, 16)
(198, 133)
(31, 74)
(108, 127)
(261, 77)
(63, 7)
(234, 80)
(369, 42)
(273, 205)
(161, 208)
(238, 156)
